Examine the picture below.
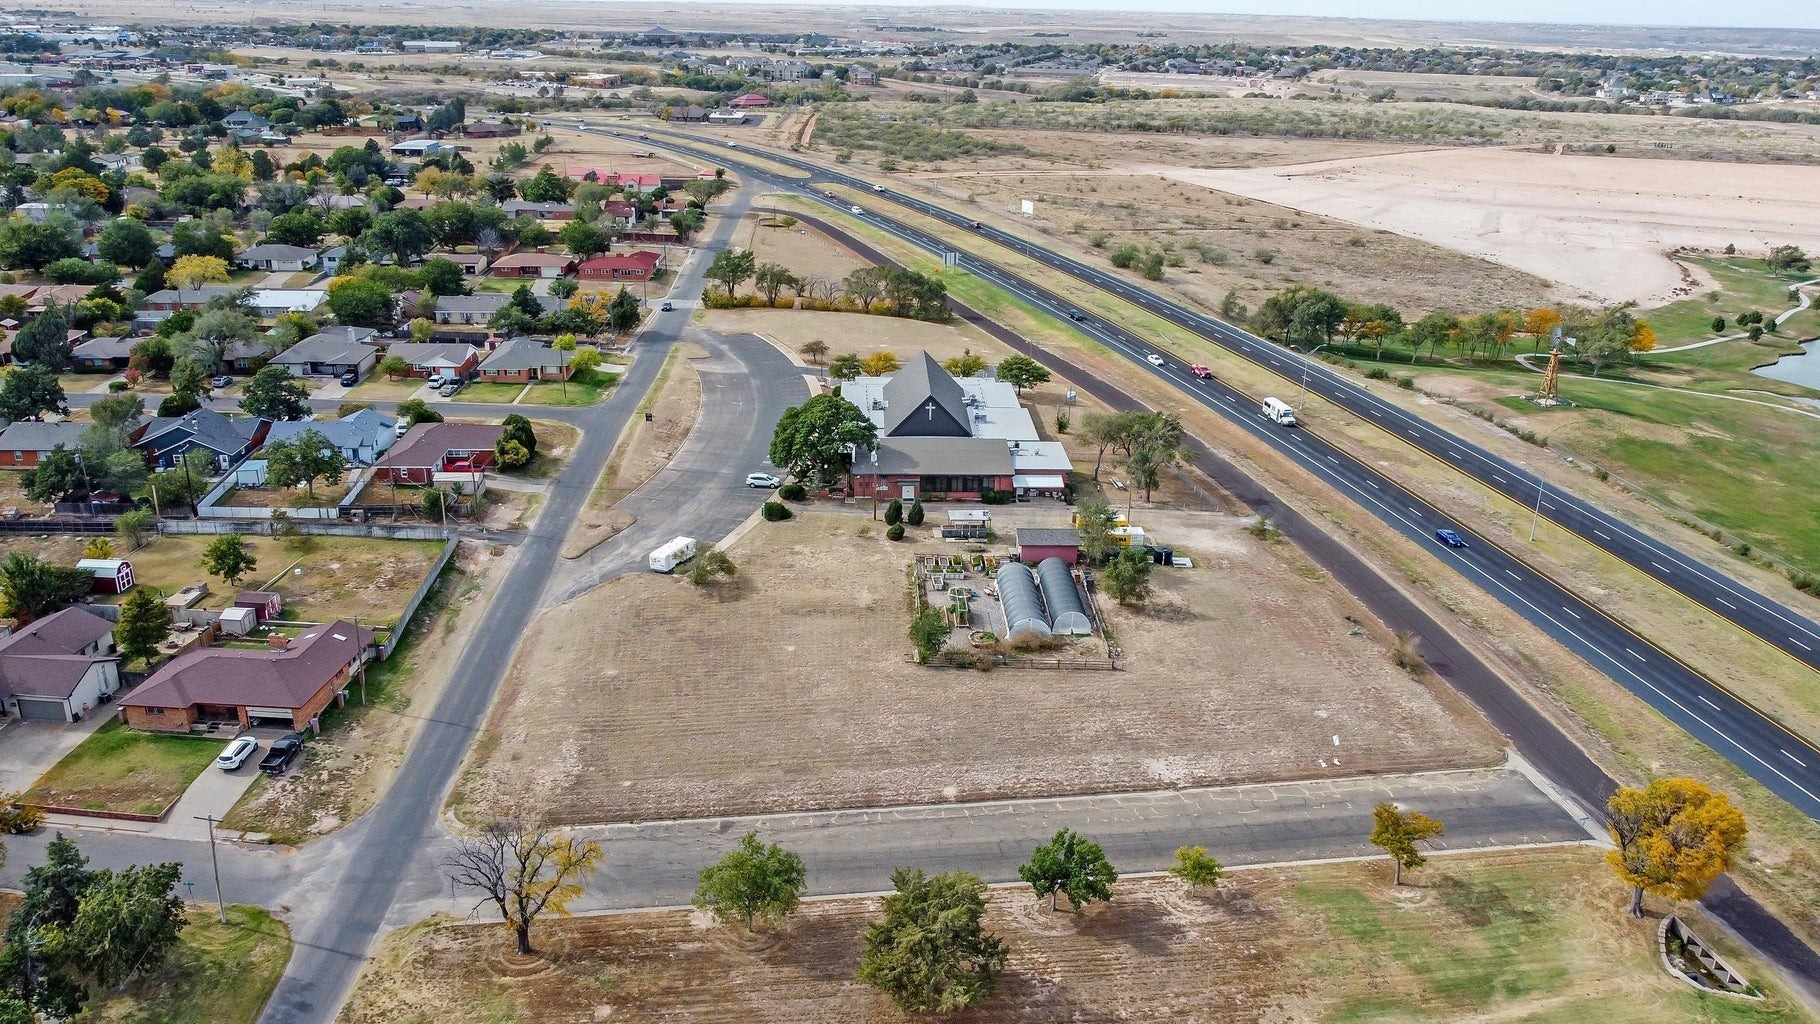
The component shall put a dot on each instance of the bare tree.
(524, 869)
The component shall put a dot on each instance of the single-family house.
(245, 120)
(469, 310)
(431, 448)
(274, 302)
(103, 353)
(419, 148)
(60, 667)
(289, 684)
(361, 437)
(23, 444)
(471, 263)
(862, 76)
(690, 113)
(491, 130)
(749, 101)
(331, 258)
(534, 264)
(331, 353)
(450, 359)
(547, 210)
(277, 258)
(228, 439)
(522, 360)
(640, 183)
(638, 265)
(187, 298)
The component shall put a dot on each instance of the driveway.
(213, 794)
(28, 749)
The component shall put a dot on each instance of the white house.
(277, 258)
(59, 668)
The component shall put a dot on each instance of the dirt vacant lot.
(792, 689)
(1534, 936)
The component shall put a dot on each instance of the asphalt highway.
(1784, 762)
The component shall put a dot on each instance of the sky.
(1757, 14)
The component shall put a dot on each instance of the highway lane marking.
(1374, 412)
(1793, 758)
(1373, 483)
(1726, 603)
(1710, 704)
(1570, 611)
(1799, 644)
(1333, 460)
(1499, 479)
(1512, 575)
(1634, 654)
(1413, 512)
(1601, 533)
(1659, 565)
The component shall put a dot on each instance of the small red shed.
(112, 575)
(266, 604)
(1034, 544)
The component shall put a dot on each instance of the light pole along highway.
(1781, 760)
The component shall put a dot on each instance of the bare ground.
(792, 689)
(1533, 935)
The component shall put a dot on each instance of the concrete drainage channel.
(1689, 959)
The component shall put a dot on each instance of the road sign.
(1029, 208)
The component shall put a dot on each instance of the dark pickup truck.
(284, 751)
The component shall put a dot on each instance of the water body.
(1803, 369)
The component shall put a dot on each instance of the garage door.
(35, 710)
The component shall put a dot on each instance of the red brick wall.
(173, 719)
(24, 460)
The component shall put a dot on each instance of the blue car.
(1450, 538)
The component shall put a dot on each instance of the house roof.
(522, 354)
(196, 296)
(275, 251)
(225, 434)
(425, 444)
(911, 389)
(41, 659)
(926, 456)
(427, 354)
(335, 345)
(480, 302)
(26, 436)
(533, 259)
(528, 206)
(105, 348)
(642, 259)
(360, 430)
(242, 678)
(1048, 537)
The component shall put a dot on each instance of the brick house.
(638, 265)
(533, 264)
(523, 360)
(431, 448)
(22, 444)
(289, 685)
(451, 359)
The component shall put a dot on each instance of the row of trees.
(886, 291)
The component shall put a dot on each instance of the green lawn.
(118, 769)
(1743, 284)
(489, 392)
(1531, 939)
(219, 974)
(584, 389)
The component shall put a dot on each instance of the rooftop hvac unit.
(878, 405)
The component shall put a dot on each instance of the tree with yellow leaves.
(194, 271)
(526, 870)
(230, 160)
(1538, 322)
(1642, 337)
(1673, 838)
(879, 364)
(1397, 832)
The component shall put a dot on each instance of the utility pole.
(1307, 362)
(220, 901)
(1536, 519)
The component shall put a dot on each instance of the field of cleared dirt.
(1535, 936)
(806, 251)
(792, 689)
(1589, 223)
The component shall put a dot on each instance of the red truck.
(1201, 371)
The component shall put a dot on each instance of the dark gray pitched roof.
(26, 436)
(940, 456)
(225, 434)
(908, 397)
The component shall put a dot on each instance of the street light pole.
(1536, 519)
(220, 901)
(1307, 364)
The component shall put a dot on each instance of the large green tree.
(276, 395)
(1127, 576)
(1072, 865)
(756, 881)
(731, 267)
(126, 922)
(1022, 372)
(228, 557)
(29, 390)
(363, 303)
(811, 438)
(403, 235)
(33, 588)
(45, 340)
(128, 242)
(145, 620)
(304, 459)
(932, 953)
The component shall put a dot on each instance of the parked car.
(1450, 538)
(221, 382)
(402, 427)
(448, 390)
(763, 480)
(667, 306)
(349, 379)
(284, 750)
(1153, 359)
(236, 753)
(437, 380)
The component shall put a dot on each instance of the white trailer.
(1278, 411)
(673, 554)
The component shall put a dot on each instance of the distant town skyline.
(1663, 13)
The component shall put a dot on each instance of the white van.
(1278, 411)
(673, 554)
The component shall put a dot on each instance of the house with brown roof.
(533, 264)
(637, 265)
(431, 448)
(291, 683)
(60, 667)
(523, 360)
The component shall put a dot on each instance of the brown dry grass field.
(1536, 936)
(791, 689)
(806, 251)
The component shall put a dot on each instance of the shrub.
(996, 498)
(793, 492)
(894, 514)
(1406, 382)
(896, 532)
(915, 514)
(775, 511)
(116, 386)
(17, 819)
(1378, 373)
